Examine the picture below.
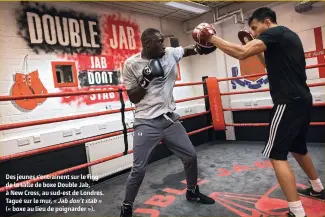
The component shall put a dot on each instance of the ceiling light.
(189, 6)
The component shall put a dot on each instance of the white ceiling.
(160, 10)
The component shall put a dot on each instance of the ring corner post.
(215, 103)
(211, 135)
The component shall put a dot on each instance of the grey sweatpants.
(147, 135)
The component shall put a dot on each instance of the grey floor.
(230, 172)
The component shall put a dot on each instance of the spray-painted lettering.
(63, 32)
(122, 38)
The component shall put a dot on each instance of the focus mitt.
(245, 36)
(202, 33)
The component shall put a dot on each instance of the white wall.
(13, 51)
(218, 64)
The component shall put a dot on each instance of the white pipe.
(225, 19)
(231, 13)
(242, 17)
(227, 16)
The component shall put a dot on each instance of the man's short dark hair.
(262, 14)
(148, 34)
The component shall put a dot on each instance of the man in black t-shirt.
(284, 60)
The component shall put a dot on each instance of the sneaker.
(309, 192)
(198, 197)
(290, 214)
(126, 210)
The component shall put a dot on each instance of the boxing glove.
(151, 71)
(21, 88)
(36, 85)
(245, 36)
(203, 50)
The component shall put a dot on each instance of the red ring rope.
(200, 130)
(244, 76)
(64, 171)
(60, 119)
(267, 124)
(315, 66)
(265, 90)
(265, 107)
(74, 117)
(8, 98)
(194, 115)
(242, 92)
(262, 74)
(60, 146)
(188, 84)
(78, 93)
(191, 98)
(78, 142)
(60, 172)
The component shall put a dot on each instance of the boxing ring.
(234, 173)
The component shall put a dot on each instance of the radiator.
(106, 147)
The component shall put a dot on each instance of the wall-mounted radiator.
(107, 147)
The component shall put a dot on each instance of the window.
(64, 74)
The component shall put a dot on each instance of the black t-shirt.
(285, 64)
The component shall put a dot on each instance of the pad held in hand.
(245, 36)
(202, 33)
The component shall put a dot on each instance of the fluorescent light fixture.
(189, 6)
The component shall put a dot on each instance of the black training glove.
(151, 71)
(204, 50)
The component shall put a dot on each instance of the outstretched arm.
(189, 51)
(240, 52)
(197, 49)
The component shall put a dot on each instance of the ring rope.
(189, 84)
(243, 76)
(49, 95)
(200, 130)
(74, 117)
(191, 98)
(265, 90)
(315, 66)
(60, 146)
(60, 119)
(267, 124)
(61, 172)
(194, 115)
(265, 107)
(262, 74)
(78, 142)
(71, 169)
(78, 93)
